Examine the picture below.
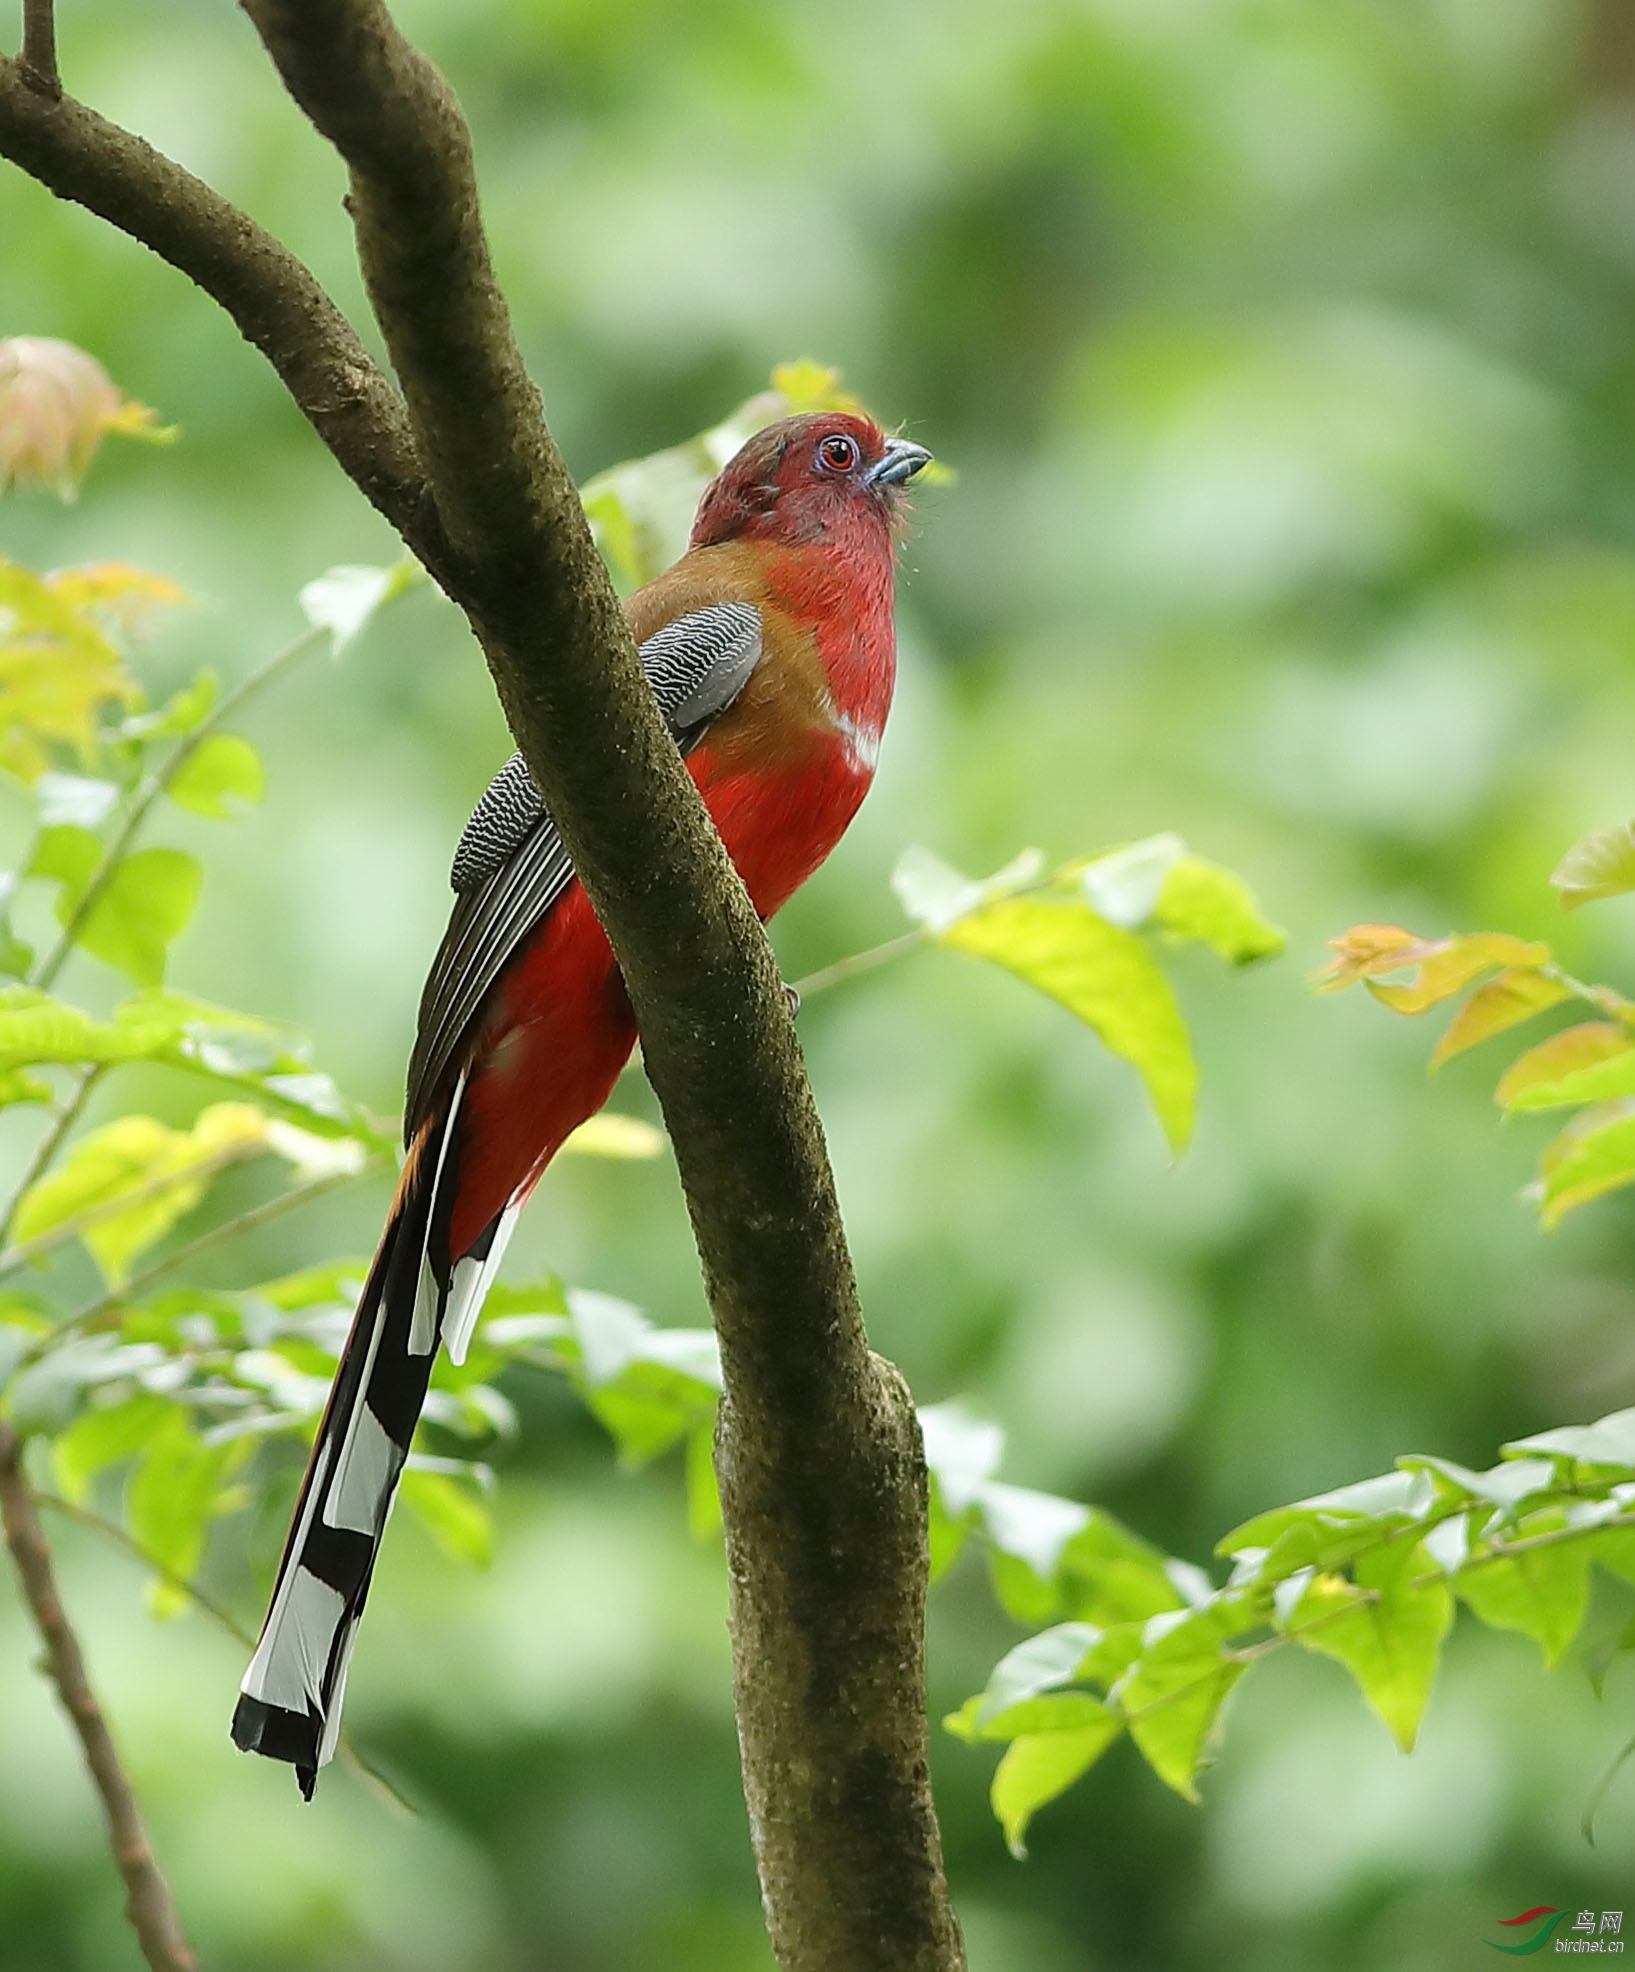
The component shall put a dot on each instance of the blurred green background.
(1286, 353)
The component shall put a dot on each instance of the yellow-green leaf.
(1203, 900)
(1593, 1155)
(1451, 963)
(1602, 865)
(1542, 1591)
(1598, 1081)
(1386, 1628)
(613, 1135)
(142, 908)
(1516, 995)
(163, 1172)
(219, 777)
(172, 1494)
(457, 1520)
(1173, 1693)
(1038, 1767)
(1546, 1067)
(1106, 976)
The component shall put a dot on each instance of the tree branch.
(148, 1904)
(822, 1472)
(277, 304)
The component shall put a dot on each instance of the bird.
(770, 649)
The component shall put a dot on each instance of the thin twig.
(200, 1170)
(40, 46)
(832, 975)
(68, 1114)
(149, 792)
(110, 1530)
(149, 1906)
(103, 1312)
(224, 1619)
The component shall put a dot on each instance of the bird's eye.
(838, 452)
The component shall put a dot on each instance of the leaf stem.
(149, 1907)
(97, 1315)
(68, 1114)
(842, 969)
(153, 785)
(202, 1168)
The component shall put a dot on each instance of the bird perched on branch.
(769, 647)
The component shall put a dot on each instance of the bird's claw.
(792, 995)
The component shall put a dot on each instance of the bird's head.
(803, 478)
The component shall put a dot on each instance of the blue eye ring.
(837, 452)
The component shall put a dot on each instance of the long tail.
(417, 1294)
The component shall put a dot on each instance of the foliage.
(1588, 1067)
(1140, 1642)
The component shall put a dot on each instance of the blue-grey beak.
(899, 463)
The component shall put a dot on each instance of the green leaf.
(650, 1387)
(1604, 1080)
(1593, 1155)
(934, 894)
(219, 778)
(452, 1513)
(1027, 1533)
(1516, 995)
(1202, 900)
(1609, 1441)
(608, 1134)
(16, 1086)
(1109, 1576)
(962, 1451)
(1543, 1592)
(1552, 1061)
(345, 600)
(703, 1494)
(1036, 1769)
(74, 800)
(1386, 1628)
(1042, 1663)
(1172, 1694)
(34, 1028)
(58, 668)
(102, 1435)
(170, 1499)
(1124, 885)
(179, 714)
(1601, 865)
(132, 1157)
(65, 853)
(145, 904)
(1350, 1515)
(1104, 975)
(1443, 967)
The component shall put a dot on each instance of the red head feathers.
(805, 477)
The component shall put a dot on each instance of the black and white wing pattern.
(510, 866)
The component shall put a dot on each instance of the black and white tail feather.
(509, 870)
(290, 1702)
